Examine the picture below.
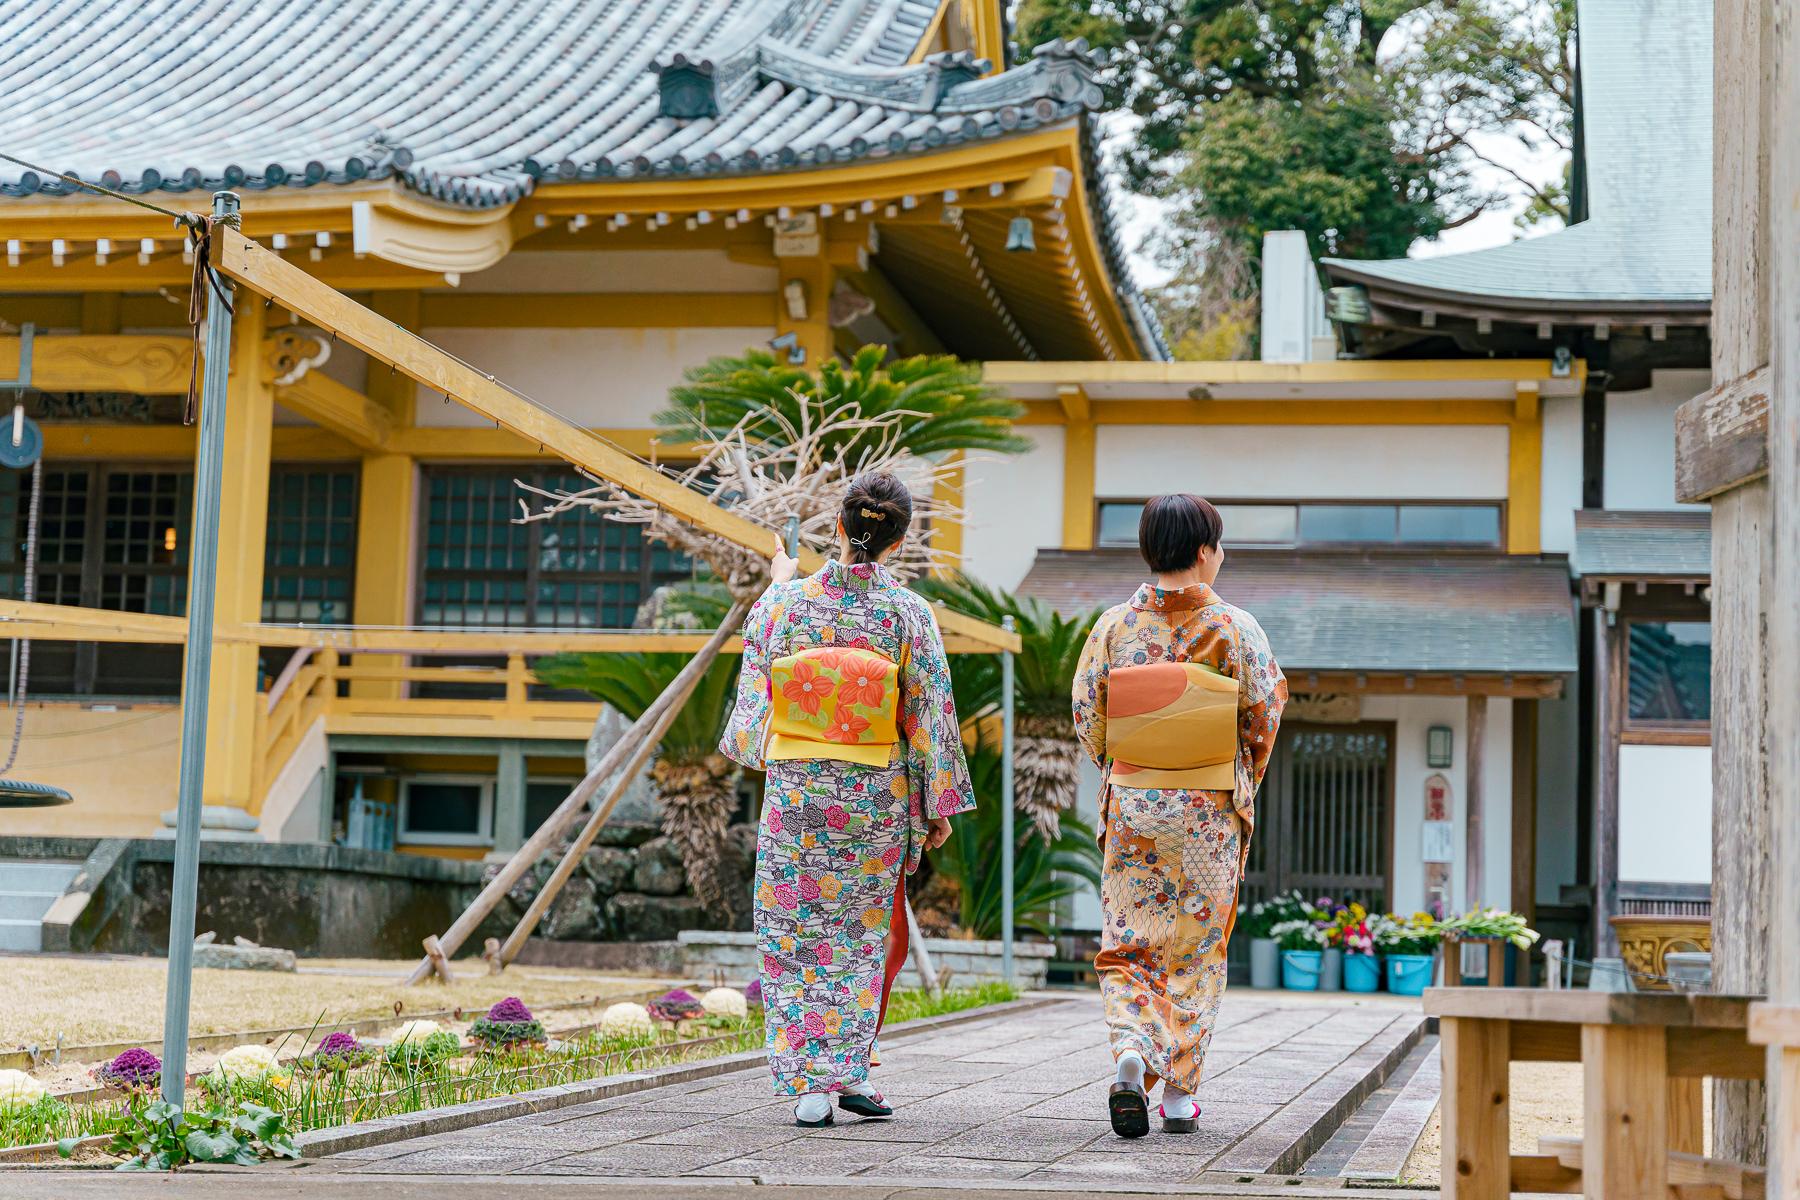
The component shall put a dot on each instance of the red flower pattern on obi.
(784, 896)
(891, 855)
(863, 680)
(807, 688)
(845, 726)
(822, 952)
(836, 817)
(815, 1023)
(771, 966)
(809, 888)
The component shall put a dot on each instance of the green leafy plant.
(1043, 872)
(1260, 919)
(161, 1137)
(433, 1049)
(1046, 755)
(944, 406)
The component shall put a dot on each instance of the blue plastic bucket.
(1300, 969)
(1409, 974)
(1362, 973)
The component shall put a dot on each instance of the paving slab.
(1016, 1096)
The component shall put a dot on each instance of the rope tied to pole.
(205, 278)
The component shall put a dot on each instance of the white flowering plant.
(1300, 935)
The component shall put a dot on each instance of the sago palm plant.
(1046, 756)
(695, 784)
(940, 403)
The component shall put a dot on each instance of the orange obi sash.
(1172, 725)
(834, 702)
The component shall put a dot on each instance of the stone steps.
(1372, 1146)
(27, 890)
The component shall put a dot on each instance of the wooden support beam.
(595, 310)
(916, 337)
(1475, 848)
(1072, 398)
(1078, 486)
(148, 364)
(1524, 815)
(1625, 1119)
(343, 410)
(1722, 437)
(1476, 1109)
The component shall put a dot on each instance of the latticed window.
(482, 568)
(115, 536)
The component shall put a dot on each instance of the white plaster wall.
(1559, 729)
(608, 378)
(1015, 508)
(1640, 440)
(1412, 715)
(1560, 495)
(622, 271)
(1084, 910)
(1438, 462)
(1665, 814)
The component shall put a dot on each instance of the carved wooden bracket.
(1722, 437)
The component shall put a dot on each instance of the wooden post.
(1476, 1110)
(1524, 811)
(566, 812)
(1553, 964)
(1473, 849)
(1609, 695)
(645, 745)
(1625, 1111)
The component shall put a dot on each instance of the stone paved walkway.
(1017, 1097)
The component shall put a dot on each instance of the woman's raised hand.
(782, 567)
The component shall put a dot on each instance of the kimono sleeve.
(1088, 696)
(743, 740)
(937, 775)
(1262, 694)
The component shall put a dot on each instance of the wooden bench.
(1691, 1176)
(1643, 1059)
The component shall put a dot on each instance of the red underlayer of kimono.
(838, 838)
(1173, 856)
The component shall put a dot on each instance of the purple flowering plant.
(676, 1005)
(136, 1070)
(338, 1051)
(508, 1023)
(753, 993)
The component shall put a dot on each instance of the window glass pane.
(542, 799)
(443, 808)
(1259, 524)
(1450, 524)
(310, 552)
(1347, 523)
(1670, 671)
(1119, 524)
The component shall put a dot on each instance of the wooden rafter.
(270, 275)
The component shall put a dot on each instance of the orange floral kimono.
(1173, 856)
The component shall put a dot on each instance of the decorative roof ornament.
(949, 70)
(687, 88)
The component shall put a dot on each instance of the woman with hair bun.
(1177, 698)
(844, 699)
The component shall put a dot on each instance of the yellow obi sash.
(834, 702)
(1172, 725)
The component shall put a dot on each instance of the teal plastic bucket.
(1362, 973)
(1300, 969)
(1409, 974)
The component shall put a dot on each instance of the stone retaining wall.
(734, 958)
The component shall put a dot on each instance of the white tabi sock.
(814, 1106)
(1131, 1068)
(865, 1088)
(1177, 1103)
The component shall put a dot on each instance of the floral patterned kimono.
(837, 836)
(1173, 857)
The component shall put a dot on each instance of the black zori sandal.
(1129, 1109)
(865, 1106)
(1179, 1124)
(823, 1121)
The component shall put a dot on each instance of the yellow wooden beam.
(267, 274)
(1277, 412)
(1525, 400)
(291, 443)
(148, 364)
(1360, 371)
(1078, 486)
(445, 443)
(916, 337)
(381, 383)
(385, 536)
(597, 310)
(100, 313)
(320, 398)
(1525, 486)
(1072, 398)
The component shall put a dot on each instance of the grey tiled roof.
(475, 101)
(1646, 86)
(1643, 545)
(1443, 614)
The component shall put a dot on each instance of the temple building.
(584, 198)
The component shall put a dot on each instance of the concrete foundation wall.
(735, 957)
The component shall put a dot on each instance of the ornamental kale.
(136, 1070)
(427, 1053)
(753, 993)
(508, 1023)
(677, 1005)
(509, 1011)
(339, 1052)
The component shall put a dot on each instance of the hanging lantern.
(1019, 235)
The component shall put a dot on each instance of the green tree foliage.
(946, 405)
(1368, 124)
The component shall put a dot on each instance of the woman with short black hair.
(1177, 698)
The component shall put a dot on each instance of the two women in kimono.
(844, 700)
(1177, 699)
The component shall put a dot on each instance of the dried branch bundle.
(791, 473)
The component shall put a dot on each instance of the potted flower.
(508, 1024)
(1302, 944)
(1362, 966)
(1259, 921)
(1486, 925)
(1408, 948)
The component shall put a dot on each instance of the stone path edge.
(321, 1143)
(1321, 1129)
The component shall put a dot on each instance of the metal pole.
(202, 584)
(1007, 837)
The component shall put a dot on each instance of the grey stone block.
(658, 870)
